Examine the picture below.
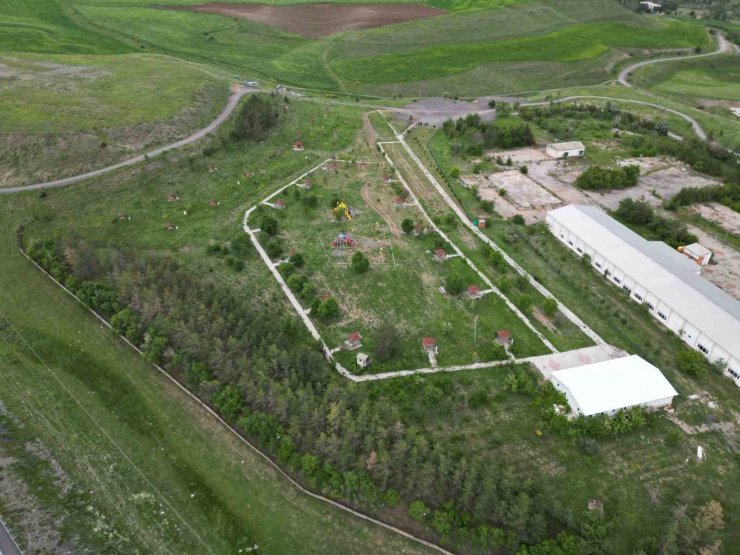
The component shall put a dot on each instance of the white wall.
(674, 321)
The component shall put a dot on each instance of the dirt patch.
(544, 320)
(318, 20)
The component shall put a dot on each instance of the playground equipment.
(342, 211)
(343, 240)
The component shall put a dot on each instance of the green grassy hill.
(462, 52)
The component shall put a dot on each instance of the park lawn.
(401, 286)
(150, 470)
(65, 93)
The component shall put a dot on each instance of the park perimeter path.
(234, 99)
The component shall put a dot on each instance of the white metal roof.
(571, 145)
(666, 273)
(614, 384)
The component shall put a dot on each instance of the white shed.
(565, 150)
(698, 253)
(606, 387)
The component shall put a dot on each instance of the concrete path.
(723, 47)
(469, 262)
(466, 221)
(7, 543)
(236, 96)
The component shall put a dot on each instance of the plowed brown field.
(318, 20)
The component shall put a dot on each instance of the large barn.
(609, 386)
(652, 273)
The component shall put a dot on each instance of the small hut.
(353, 341)
(440, 255)
(473, 292)
(306, 184)
(429, 345)
(298, 145)
(279, 204)
(503, 337)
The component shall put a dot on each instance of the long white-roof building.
(652, 273)
(609, 386)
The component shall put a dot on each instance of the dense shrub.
(596, 177)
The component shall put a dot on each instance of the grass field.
(65, 93)
(716, 77)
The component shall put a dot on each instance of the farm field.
(401, 286)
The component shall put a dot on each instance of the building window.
(702, 348)
(598, 265)
(662, 316)
(570, 243)
(579, 249)
(627, 289)
(733, 373)
(651, 307)
(638, 296)
(616, 279)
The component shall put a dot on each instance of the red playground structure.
(343, 240)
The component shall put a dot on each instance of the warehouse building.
(652, 273)
(609, 386)
(565, 150)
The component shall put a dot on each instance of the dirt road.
(724, 47)
(210, 128)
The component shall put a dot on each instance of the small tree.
(550, 306)
(524, 302)
(328, 308)
(407, 225)
(360, 263)
(524, 170)
(518, 219)
(269, 225)
(418, 510)
(296, 282)
(692, 362)
(297, 260)
(454, 284)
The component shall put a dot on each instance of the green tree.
(387, 342)
(418, 510)
(549, 306)
(692, 362)
(407, 225)
(255, 118)
(360, 263)
(328, 309)
(269, 225)
(454, 284)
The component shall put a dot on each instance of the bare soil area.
(318, 20)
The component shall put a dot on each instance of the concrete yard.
(722, 215)
(725, 273)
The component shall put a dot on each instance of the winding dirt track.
(724, 47)
(210, 128)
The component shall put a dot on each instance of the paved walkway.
(236, 96)
(7, 543)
